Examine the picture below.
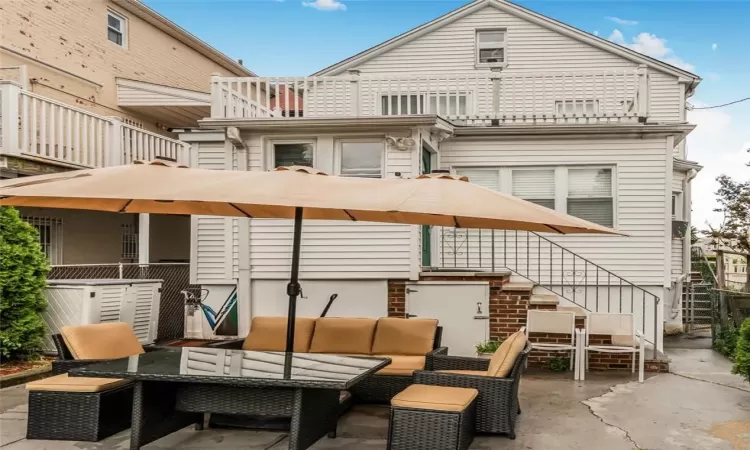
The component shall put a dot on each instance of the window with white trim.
(490, 47)
(590, 195)
(587, 192)
(116, 28)
(293, 154)
(535, 185)
(361, 158)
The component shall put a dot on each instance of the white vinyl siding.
(530, 48)
(638, 181)
(331, 249)
(211, 237)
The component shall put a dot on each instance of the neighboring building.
(519, 103)
(96, 83)
(735, 265)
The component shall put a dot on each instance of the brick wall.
(396, 298)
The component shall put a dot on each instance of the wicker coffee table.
(174, 387)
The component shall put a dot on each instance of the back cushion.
(101, 341)
(502, 361)
(398, 336)
(269, 334)
(343, 335)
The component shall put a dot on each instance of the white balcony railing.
(482, 98)
(35, 126)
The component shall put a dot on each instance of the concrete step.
(580, 312)
(544, 299)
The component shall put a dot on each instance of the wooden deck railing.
(476, 99)
(35, 126)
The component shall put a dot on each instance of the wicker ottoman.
(432, 418)
(78, 408)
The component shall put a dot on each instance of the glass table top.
(210, 365)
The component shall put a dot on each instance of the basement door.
(460, 307)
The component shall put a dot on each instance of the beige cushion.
(343, 335)
(64, 383)
(101, 341)
(623, 340)
(436, 398)
(269, 334)
(397, 336)
(402, 364)
(478, 373)
(502, 361)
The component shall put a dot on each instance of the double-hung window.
(590, 195)
(116, 28)
(490, 48)
(293, 154)
(535, 185)
(361, 158)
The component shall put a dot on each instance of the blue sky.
(289, 37)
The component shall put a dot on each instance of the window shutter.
(535, 185)
(590, 195)
(489, 178)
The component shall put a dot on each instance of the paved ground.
(701, 406)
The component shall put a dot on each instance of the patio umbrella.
(300, 193)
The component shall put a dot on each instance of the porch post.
(217, 96)
(10, 93)
(354, 74)
(116, 157)
(642, 95)
(496, 79)
(144, 236)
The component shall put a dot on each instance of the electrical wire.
(720, 106)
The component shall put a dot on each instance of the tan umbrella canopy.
(291, 192)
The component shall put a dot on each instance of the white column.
(144, 236)
(217, 96)
(244, 285)
(354, 73)
(642, 76)
(115, 150)
(10, 92)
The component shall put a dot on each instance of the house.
(516, 101)
(97, 83)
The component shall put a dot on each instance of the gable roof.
(165, 25)
(518, 11)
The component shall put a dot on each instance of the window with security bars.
(535, 185)
(590, 195)
(129, 243)
(50, 236)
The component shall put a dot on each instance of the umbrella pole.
(293, 289)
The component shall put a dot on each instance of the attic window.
(116, 28)
(490, 48)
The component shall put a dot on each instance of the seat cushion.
(623, 340)
(101, 341)
(479, 373)
(435, 398)
(269, 334)
(402, 364)
(505, 356)
(343, 335)
(397, 336)
(64, 383)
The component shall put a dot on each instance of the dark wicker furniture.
(497, 403)
(79, 416)
(65, 360)
(174, 387)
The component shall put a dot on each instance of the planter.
(485, 355)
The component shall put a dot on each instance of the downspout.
(686, 243)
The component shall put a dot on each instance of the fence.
(175, 277)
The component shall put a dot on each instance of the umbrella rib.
(240, 210)
(350, 216)
(554, 228)
(124, 208)
(455, 222)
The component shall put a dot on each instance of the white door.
(460, 307)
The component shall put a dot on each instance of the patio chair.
(620, 327)
(553, 322)
(497, 380)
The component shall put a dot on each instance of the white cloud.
(714, 46)
(623, 22)
(713, 76)
(719, 143)
(596, 32)
(653, 46)
(326, 5)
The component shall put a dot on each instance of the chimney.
(240, 61)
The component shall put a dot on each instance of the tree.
(23, 271)
(734, 201)
(742, 353)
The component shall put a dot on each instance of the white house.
(516, 101)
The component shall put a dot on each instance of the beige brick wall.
(72, 35)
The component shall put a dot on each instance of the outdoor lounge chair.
(620, 327)
(496, 379)
(552, 322)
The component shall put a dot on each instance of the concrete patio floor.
(699, 406)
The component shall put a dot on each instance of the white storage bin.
(83, 302)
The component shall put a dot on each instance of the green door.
(426, 167)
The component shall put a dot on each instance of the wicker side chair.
(497, 403)
(66, 361)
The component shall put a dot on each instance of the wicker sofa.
(412, 345)
(496, 379)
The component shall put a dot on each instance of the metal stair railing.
(547, 264)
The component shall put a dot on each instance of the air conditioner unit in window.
(679, 228)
